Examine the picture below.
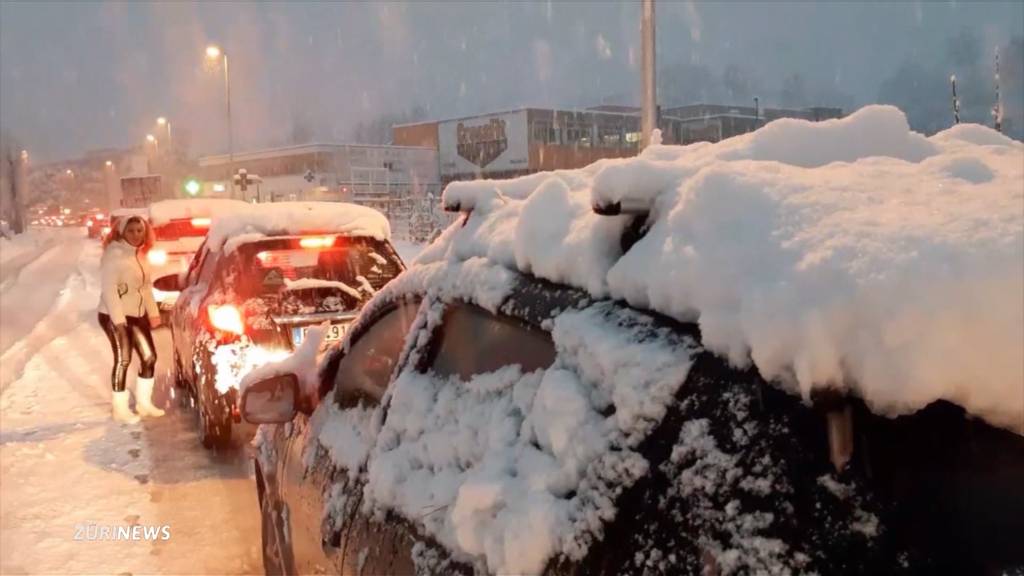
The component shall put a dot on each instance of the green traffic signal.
(192, 186)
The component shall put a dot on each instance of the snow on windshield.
(296, 218)
(850, 253)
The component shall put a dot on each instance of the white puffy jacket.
(126, 284)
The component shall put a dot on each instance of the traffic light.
(192, 186)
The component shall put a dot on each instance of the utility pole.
(997, 109)
(956, 101)
(649, 97)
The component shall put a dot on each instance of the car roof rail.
(626, 205)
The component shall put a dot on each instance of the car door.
(180, 314)
(190, 311)
(307, 477)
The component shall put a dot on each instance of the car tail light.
(89, 223)
(317, 242)
(201, 222)
(106, 230)
(226, 318)
(157, 257)
(100, 216)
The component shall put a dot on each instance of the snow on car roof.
(295, 218)
(162, 212)
(851, 253)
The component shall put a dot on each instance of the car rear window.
(474, 341)
(357, 263)
(176, 229)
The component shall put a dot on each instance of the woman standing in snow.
(127, 311)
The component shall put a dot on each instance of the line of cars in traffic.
(468, 415)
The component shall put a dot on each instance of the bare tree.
(13, 180)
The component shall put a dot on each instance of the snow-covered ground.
(66, 471)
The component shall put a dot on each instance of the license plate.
(334, 333)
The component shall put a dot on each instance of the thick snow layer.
(294, 218)
(851, 253)
(308, 283)
(162, 212)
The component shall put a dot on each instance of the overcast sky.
(89, 75)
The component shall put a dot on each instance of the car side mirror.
(169, 283)
(271, 401)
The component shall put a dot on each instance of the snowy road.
(66, 468)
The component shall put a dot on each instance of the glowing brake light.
(89, 223)
(158, 257)
(317, 242)
(201, 222)
(226, 318)
(100, 216)
(106, 230)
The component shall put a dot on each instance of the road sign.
(243, 179)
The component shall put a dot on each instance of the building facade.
(517, 142)
(367, 174)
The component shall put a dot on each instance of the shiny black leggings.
(135, 334)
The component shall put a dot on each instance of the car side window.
(474, 341)
(207, 267)
(365, 371)
(193, 269)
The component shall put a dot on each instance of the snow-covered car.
(263, 276)
(180, 225)
(739, 358)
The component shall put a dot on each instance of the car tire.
(215, 420)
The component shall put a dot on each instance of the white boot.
(144, 398)
(121, 412)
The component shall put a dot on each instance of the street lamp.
(152, 140)
(213, 53)
(162, 121)
(109, 163)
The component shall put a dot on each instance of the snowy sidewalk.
(68, 471)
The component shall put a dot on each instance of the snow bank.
(18, 245)
(162, 212)
(293, 218)
(850, 253)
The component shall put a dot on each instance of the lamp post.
(162, 121)
(214, 53)
(649, 96)
(152, 140)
